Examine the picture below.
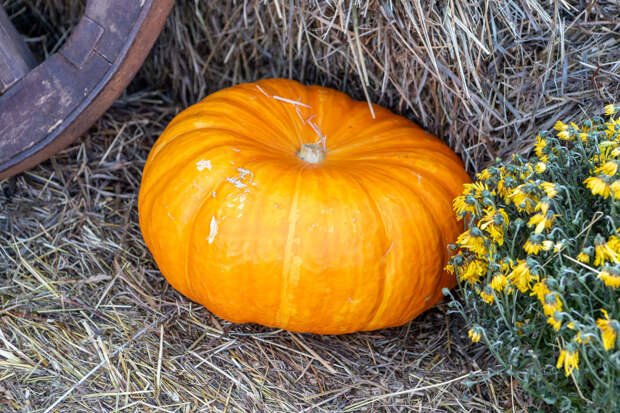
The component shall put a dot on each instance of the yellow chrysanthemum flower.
(598, 186)
(540, 167)
(608, 333)
(560, 126)
(474, 335)
(565, 135)
(488, 298)
(542, 221)
(611, 129)
(540, 290)
(552, 304)
(533, 248)
(475, 269)
(493, 222)
(615, 188)
(499, 282)
(521, 276)
(523, 200)
(609, 168)
(550, 189)
(583, 257)
(606, 251)
(464, 205)
(613, 243)
(474, 243)
(541, 144)
(611, 109)
(475, 189)
(610, 279)
(580, 340)
(483, 175)
(555, 323)
(569, 360)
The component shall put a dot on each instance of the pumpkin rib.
(255, 165)
(440, 185)
(375, 134)
(428, 211)
(447, 162)
(206, 198)
(388, 146)
(268, 144)
(377, 211)
(439, 188)
(444, 237)
(242, 107)
(168, 177)
(287, 261)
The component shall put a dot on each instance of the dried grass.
(87, 323)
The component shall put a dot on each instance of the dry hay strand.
(87, 323)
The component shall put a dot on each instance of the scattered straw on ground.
(87, 323)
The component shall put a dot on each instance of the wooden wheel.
(45, 107)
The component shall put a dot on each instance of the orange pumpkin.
(292, 207)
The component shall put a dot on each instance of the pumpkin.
(300, 208)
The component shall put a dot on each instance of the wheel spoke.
(15, 57)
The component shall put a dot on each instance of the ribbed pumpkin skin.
(237, 222)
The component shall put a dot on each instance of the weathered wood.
(59, 99)
(16, 60)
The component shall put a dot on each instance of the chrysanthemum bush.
(539, 264)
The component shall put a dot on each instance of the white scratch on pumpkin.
(213, 194)
(244, 172)
(388, 250)
(236, 150)
(242, 199)
(419, 179)
(170, 216)
(213, 230)
(203, 164)
(236, 182)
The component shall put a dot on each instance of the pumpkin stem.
(311, 153)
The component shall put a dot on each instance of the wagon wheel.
(45, 107)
